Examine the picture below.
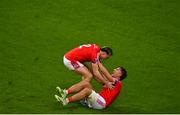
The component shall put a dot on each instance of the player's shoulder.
(96, 45)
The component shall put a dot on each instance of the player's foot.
(62, 92)
(61, 100)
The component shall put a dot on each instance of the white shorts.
(71, 65)
(96, 101)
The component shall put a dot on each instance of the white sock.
(66, 91)
(67, 100)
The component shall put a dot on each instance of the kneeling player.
(90, 98)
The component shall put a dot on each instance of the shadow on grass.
(79, 109)
(124, 109)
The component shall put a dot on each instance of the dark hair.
(106, 49)
(124, 73)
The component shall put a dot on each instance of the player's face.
(104, 55)
(117, 72)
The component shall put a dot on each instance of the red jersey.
(84, 53)
(110, 95)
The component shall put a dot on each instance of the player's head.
(120, 73)
(105, 52)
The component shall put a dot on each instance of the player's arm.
(98, 75)
(105, 72)
(104, 77)
(98, 80)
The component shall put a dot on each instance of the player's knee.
(88, 91)
(87, 84)
(88, 77)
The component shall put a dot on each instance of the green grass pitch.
(35, 34)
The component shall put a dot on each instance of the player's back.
(110, 94)
(83, 53)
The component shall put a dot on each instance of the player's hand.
(109, 85)
(115, 80)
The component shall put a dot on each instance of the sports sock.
(68, 91)
(68, 100)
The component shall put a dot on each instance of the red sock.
(69, 99)
(69, 91)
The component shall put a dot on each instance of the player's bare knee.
(89, 75)
(86, 84)
(88, 91)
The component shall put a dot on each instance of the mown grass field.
(35, 34)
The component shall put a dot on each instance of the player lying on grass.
(89, 97)
(75, 58)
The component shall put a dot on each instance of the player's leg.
(79, 86)
(81, 95)
(83, 77)
(94, 99)
(83, 71)
(78, 96)
(75, 88)
(87, 68)
(78, 68)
